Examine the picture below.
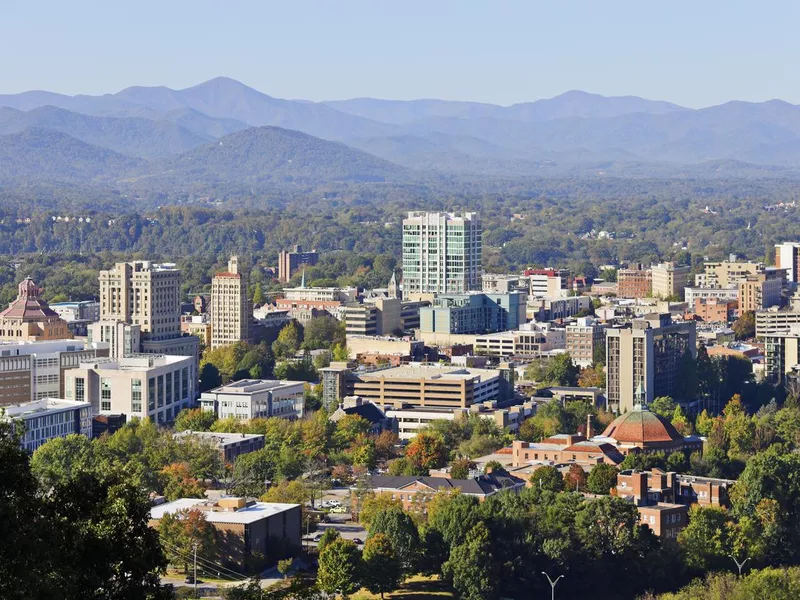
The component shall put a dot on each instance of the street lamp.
(553, 583)
(739, 565)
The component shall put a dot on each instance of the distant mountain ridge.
(568, 133)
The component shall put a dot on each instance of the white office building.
(145, 385)
(256, 398)
(50, 418)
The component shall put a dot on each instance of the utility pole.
(194, 579)
(553, 583)
(739, 565)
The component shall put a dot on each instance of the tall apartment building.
(781, 353)
(231, 312)
(441, 253)
(668, 280)
(787, 256)
(634, 283)
(582, 340)
(147, 295)
(29, 318)
(290, 262)
(35, 370)
(642, 360)
(158, 387)
(757, 292)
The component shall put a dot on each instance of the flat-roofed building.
(409, 421)
(503, 284)
(757, 292)
(473, 313)
(521, 343)
(360, 345)
(229, 445)
(123, 339)
(291, 262)
(549, 283)
(726, 274)
(693, 294)
(781, 353)
(583, 339)
(774, 320)
(255, 399)
(35, 370)
(553, 309)
(50, 418)
(668, 279)
(247, 527)
(787, 256)
(634, 283)
(144, 385)
(642, 359)
(443, 386)
(380, 316)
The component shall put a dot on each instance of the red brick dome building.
(648, 432)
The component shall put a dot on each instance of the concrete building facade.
(787, 256)
(642, 360)
(582, 340)
(757, 292)
(255, 399)
(158, 387)
(668, 279)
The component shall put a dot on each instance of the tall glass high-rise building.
(441, 253)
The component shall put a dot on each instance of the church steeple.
(394, 287)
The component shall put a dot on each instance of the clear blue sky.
(695, 53)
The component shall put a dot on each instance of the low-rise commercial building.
(35, 370)
(145, 385)
(553, 309)
(714, 310)
(408, 421)
(693, 294)
(473, 313)
(248, 527)
(229, 445)
(531, 343)
(255, 399)
(50, 418)
(432, 385)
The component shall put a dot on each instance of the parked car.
(358, 541)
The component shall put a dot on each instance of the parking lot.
(336, 503)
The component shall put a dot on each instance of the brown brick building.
(634, 283)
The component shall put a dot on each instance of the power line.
(210, 566)
(207, 563)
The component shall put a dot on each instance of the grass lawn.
(416, 588)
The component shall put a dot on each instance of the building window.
(105, 393)
(169, 388)
(151, 394)
(160, 391)
(80, 389)
(136, 395)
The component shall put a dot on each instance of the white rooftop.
(430, 371)
(244, 516)
(139, 362)
(221, 439)
(45, 405)
(250, 386)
